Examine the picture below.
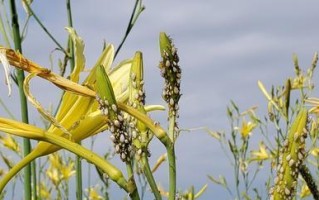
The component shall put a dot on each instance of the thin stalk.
(4, 33)
(45, 29)
(79, 184)
(6, 109)
(34, 181)
(172, 171)
(150, 178)
(311, 183)
(130, 175)
(137, 10)
(70, 24)
(23, 100)
(171, 157)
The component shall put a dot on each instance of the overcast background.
(224, 48)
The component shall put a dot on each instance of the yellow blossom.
(55, 160)
(78, 115)
(53, 175)
(315, 151)
(44, 192)
(93, 194)
(304, 191)
(298, 82)
(67, 171)
(261, 154)
(10, 143)
(247, 128)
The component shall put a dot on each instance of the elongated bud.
(171, 72)
(117, 124)
(140, 134)
(291, 157)
(287, 97)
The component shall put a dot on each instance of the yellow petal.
(21, 129)
(79, 56)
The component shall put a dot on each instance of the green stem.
(137, 10)
(171, 157)
(155, 128)
(311, 183)
(34, 181)
(150, 178)
(16, 168)
(79, 184)
(130, 175)
(172, 171)
(23, 100)
(70, 24)
(113, 173)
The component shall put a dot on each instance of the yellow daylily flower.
(53, 175)
(247, 128)
(77, 115)
(93, 194)
(64, 170)
(261, 154)
(67, 171)
(55, 160)
(44, 192)
(9, 142)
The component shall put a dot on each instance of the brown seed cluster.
(171, 72)
(290, 159)
(118, 126)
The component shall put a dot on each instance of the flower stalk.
(171, 72)
(23, 100)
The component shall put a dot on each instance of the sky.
(225, 47)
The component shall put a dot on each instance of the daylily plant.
(78, 116)
(96, 105)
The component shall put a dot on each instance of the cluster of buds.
(171, 72)
(140, 134)
(290, 159)
(117, 123)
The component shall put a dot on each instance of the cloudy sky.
(224, 48)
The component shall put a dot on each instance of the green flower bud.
(291, 157)
(171, 72)
(117, 124)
